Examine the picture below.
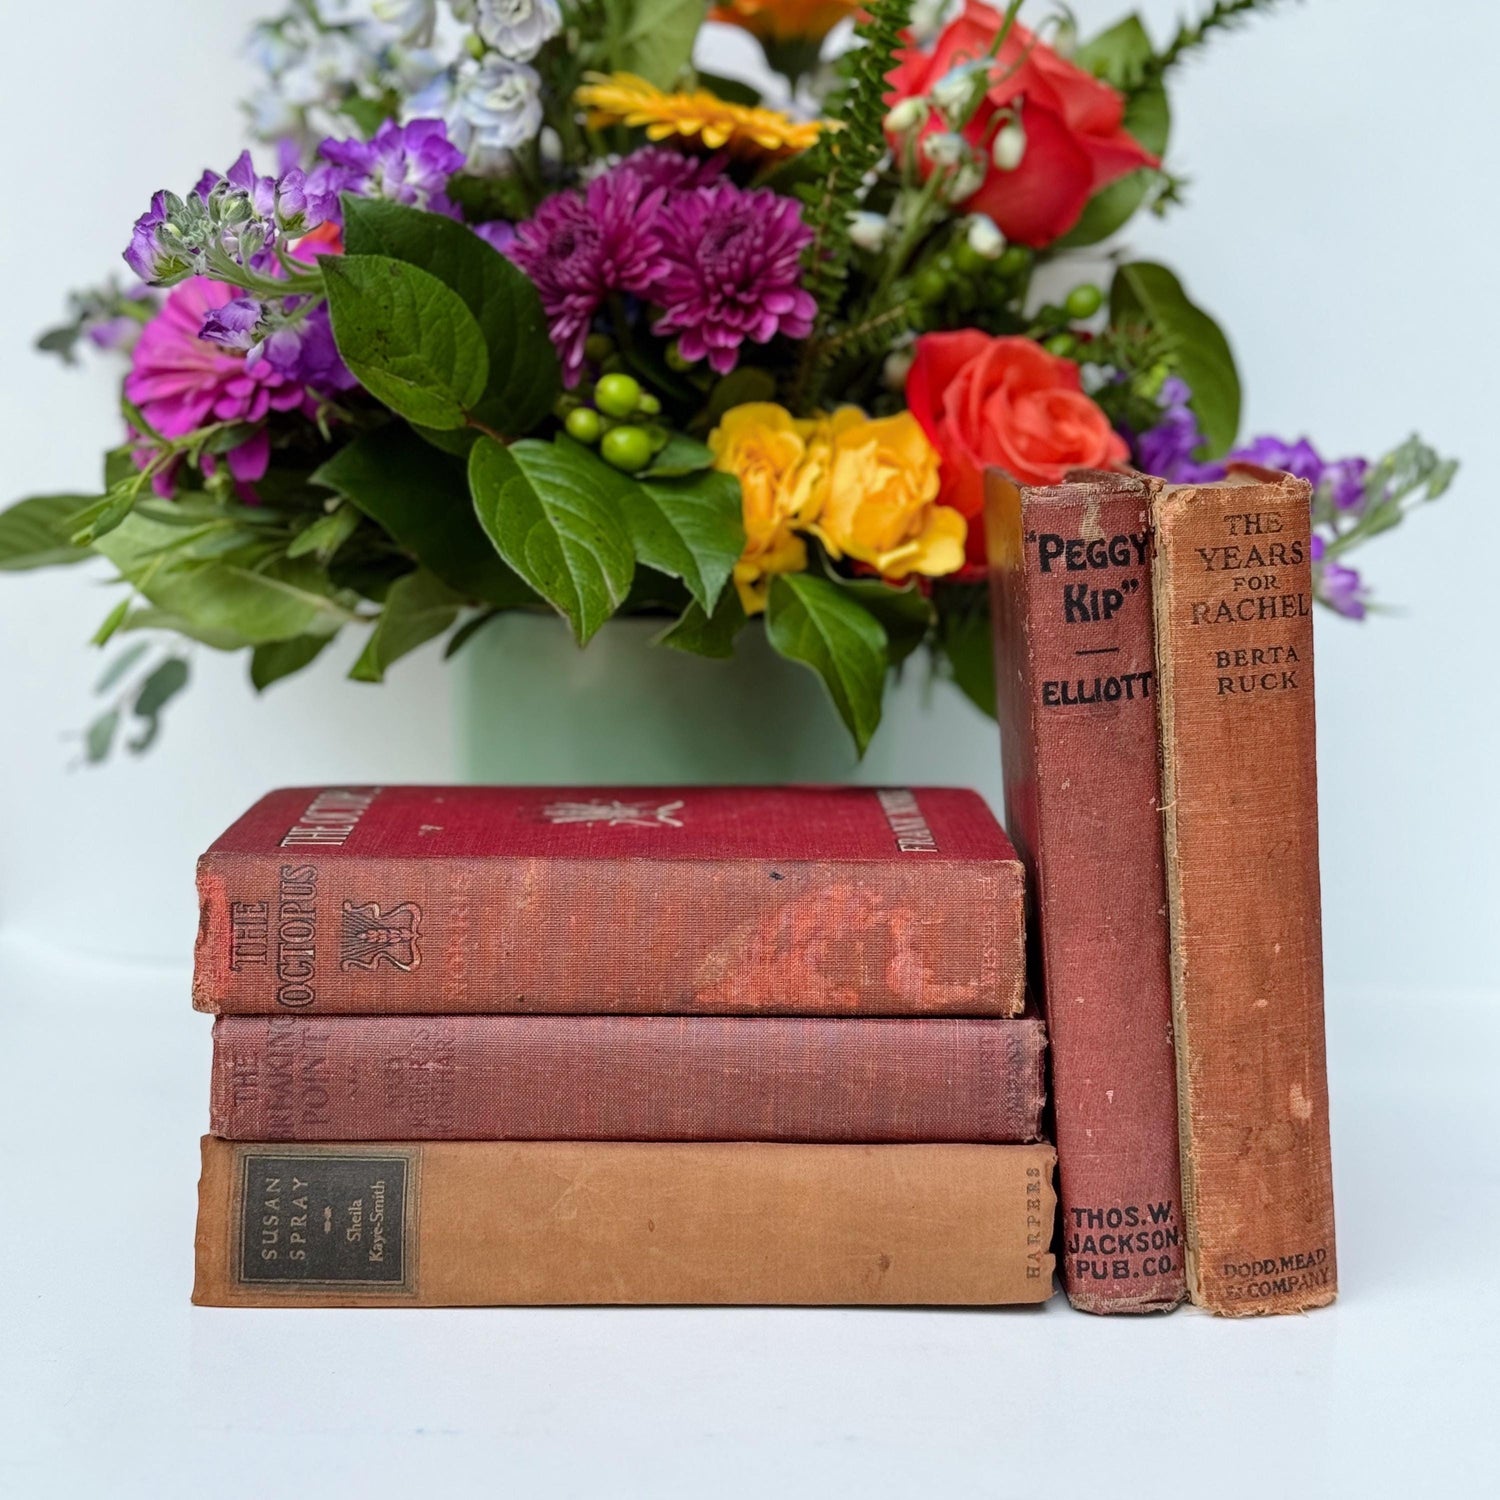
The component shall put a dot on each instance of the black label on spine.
(320, 1218)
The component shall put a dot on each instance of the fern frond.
(1222, 15)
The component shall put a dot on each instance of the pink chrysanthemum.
(182, 382)
(732, 270)
(579, 248)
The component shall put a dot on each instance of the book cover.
(485, 1223)
(1234, 604)
(713, 900)
(626, 1078)
(1076, 688)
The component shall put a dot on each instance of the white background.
(1341, 224)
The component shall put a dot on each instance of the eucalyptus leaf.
(100, 736)
(34, 533)
(524, 374)
(121, 665)
(418, 607)
(421, 499)
(707, 635)
(408, 338)
(815, 622)
(160, 687)
(689, 528)
(554, 513)
(1145, 293)
(277, 659)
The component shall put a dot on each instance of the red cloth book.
(1076, 679)
(626, 1078)
(679, 900)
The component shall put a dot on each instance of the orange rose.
(1003, 403)
(785, 20)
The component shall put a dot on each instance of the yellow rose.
(880, 507)
(782, 466)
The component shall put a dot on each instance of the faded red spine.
(1076, 677)
(622, 1078)
(793, 901)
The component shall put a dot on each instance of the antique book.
(714, 900)
(1076, 687)
(476, 1223)
(1235, 647)
(626, 1078)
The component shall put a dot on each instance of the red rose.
(1003, 403)
(1075, 143)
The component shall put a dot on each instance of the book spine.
(509, 936)
(1076, 679)
(1235, 638)
(625, 1078)
(481, 1223)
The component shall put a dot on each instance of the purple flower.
(579, 248)
(731, 270)
(234, 324)
(1340, 588)
(156, 257)
(405, 163)
(498, 234)
(1167, 449)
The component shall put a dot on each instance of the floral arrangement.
(533, 313)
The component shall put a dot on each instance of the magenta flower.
(732, 270)
(580, 248)
(182, 382)
(661, 167)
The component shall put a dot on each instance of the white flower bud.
(1009, 146)
(985, 238)
(955, 91)
(966, 181)
(897, 367)
(908, 115)
(1065, 37)
(945, 150)
(869, 231)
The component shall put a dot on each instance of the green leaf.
(813, 621)
(226, 604)
(99, 517)
(111, 623)
(739, 387)
(34, 533)
(120, 666)
(731, 90)
(421, 499)
(161, 687)
(417, 608)
(524, 374)
(653, 38)
(707, 635)
(325, 535)
(467, 631)
(682, 455)
(277, 659)
(100, 735)
(1119, 55)
(906, 612)
(1148, 117)
(968, 645)
(690, 529)
(410, 340)
(1146, 293)
(554, 513)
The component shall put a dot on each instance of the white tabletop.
(111, 1385)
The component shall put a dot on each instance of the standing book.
(1235, 641)
(707, 900)
(1076, 681)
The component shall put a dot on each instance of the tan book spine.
(482, 1223)
(1233, 600)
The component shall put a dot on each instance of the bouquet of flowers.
(532, 313)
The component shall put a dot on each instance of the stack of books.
(698, 1045)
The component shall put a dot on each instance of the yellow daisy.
(624, 99)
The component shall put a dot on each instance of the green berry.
(649, 406)
(617, 395)
(969, 261)
(599, 347)
(1013, 260)
(1061, 343)
(676, 359)
(583, 423)
(930, 284)
(627, 448)
(1084, 301)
